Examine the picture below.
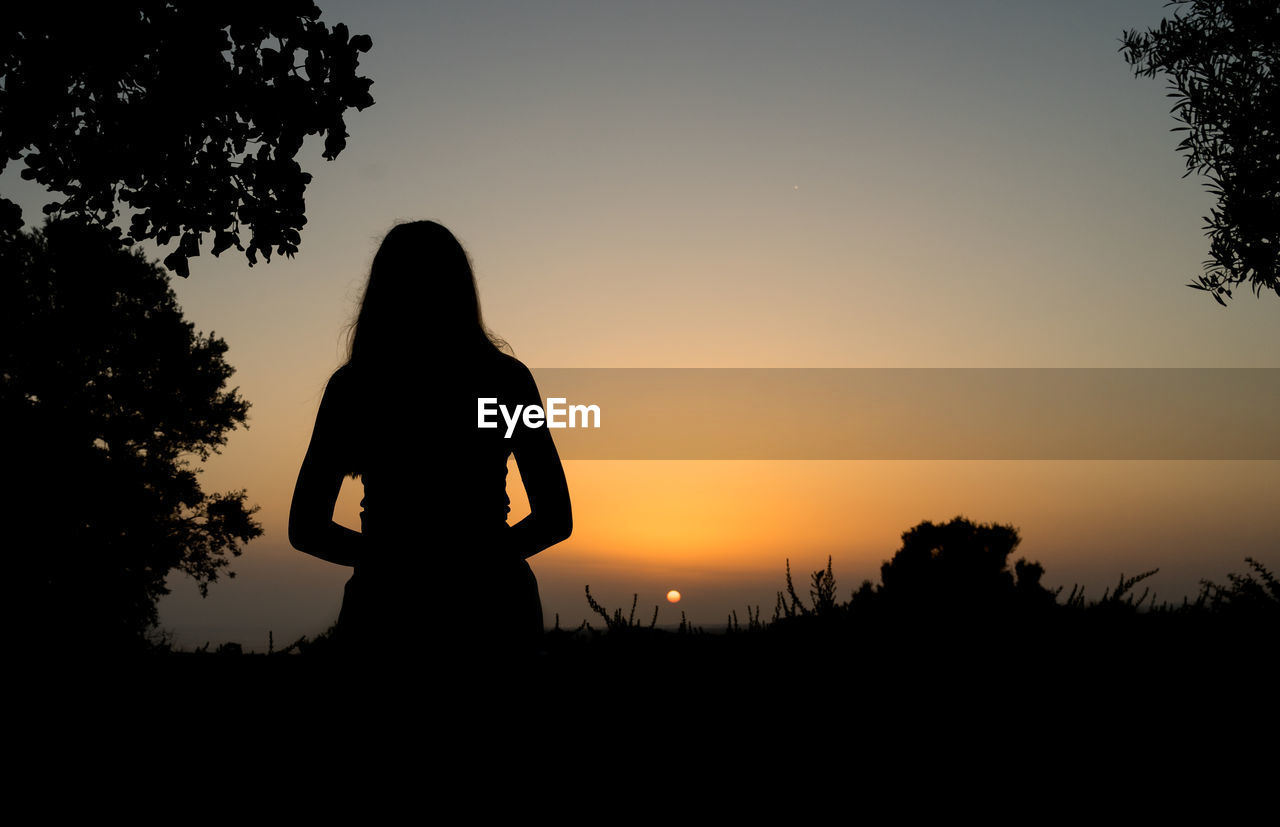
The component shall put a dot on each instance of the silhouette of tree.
(107, 394)
(189, 113)
(1223, 58)
(960, 566)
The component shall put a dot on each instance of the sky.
(765, 185)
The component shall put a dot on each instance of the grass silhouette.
(947, 597)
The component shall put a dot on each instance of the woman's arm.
(311, 526)
(550, 519)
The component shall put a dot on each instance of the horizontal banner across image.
(914, 413)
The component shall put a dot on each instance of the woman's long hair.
(420, 301)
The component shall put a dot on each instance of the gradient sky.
(741, 184)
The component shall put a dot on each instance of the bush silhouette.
(960, 566)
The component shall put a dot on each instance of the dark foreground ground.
(1129, 668)
(812, 714)
(917, 698)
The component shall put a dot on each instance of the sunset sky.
(744, 184)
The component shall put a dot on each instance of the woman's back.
(436, 562)
(417, 448)
(435, 502)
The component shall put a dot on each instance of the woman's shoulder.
(344, 384)
(511, 363)
(514, 376)
(341, 378)
(517, 370)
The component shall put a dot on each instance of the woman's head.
(421, 297)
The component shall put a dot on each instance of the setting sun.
(673, 596)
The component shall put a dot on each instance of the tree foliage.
(108, 395)
(1223, 60)
(189, 114)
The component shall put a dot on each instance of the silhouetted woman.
(436, 564)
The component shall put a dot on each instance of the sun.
(673, 596)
